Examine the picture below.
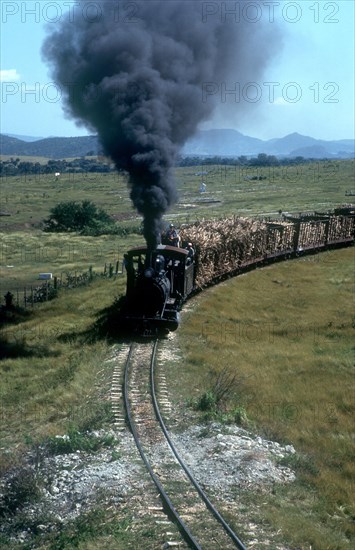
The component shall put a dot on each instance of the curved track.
(184, 501)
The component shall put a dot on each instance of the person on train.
(172, 236)
(191, 253)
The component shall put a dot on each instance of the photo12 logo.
(31, 93)
(270, 11)
(52, 92)
(69, 11)
(128, 12)
(271, 92)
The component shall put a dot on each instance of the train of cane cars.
(160, 280)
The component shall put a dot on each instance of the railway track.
(183, 500)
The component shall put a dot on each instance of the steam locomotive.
(160, 280)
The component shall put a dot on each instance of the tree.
(76, 216)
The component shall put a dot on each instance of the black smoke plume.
(134, 73)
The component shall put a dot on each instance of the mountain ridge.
(214, 142)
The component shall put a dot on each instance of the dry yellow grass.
(287, 330)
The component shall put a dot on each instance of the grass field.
(315, 186)
(51, 364)
(286, 330)
(318, 185)
(23, 255)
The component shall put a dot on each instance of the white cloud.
(9, 75)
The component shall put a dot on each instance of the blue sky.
(308, 87)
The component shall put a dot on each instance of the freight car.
(160, 280)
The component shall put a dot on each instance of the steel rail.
(184, 530)
(239, 544)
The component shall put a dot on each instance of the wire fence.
(30, 295)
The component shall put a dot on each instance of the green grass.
(318, 185)
(23, 255)
(314, 186)
(287, 331)
(54, 376)
(29, 199)
(55, 382)
(98, 528)
(29, 251)
(77, 441)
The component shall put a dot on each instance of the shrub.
(240, 416)
(217, 402)
(207, 402)
(76, 216)
(21, 488)
(77, 441)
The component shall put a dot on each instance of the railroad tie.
(119, 418)
(162, 522)
(156, 508)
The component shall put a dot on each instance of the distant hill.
(313, 151)
(298, 145)
(233, 143)
(25, 138)
(52, 148)
(227, 143)
(223, 143)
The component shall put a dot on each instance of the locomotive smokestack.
(137, 73)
